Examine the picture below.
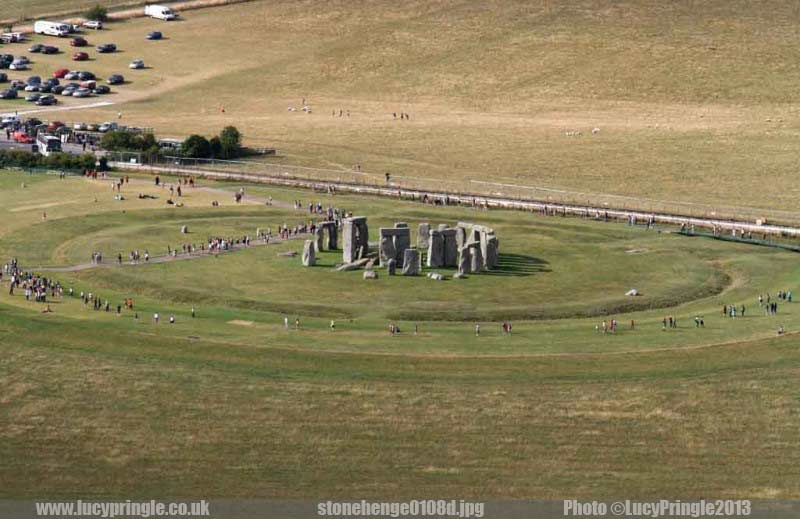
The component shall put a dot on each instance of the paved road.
(584, 211)
(6, 144)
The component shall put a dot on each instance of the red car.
(55, 125)
(60, 73)
(80, 56)
(78, 42)
(23, 138)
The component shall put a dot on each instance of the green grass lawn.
(230, 404)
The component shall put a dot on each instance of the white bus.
(161, 12)
(51, 28)
(48, 144)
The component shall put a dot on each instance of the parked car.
(58, 89)
(23, 138)
(9, 120)
(91, 127)
(80, 56)
(79, 126)
(52, 81)
(55, 125)
(88, 84)
(24, 60)
(93, 24)
(115, 79)
(61, 73)
(85, 76)
(33, 97)
(3, 77)
(82, 92)
(155, 35)
(34, 80)
(136, 64)
(107, 47)
(31, 88)
(68, 91)
(49, 49)
(11, 93)
(18, 65)
(78, 42)
(69, 76)
(107, 127)
(46, 100)
(45, 89)
(36, 48)
(101, 89)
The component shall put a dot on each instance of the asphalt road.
(6, 144)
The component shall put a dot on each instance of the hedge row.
(64, 161)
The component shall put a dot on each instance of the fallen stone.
(370, 274)
(354, 265)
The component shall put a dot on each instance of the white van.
(51, 28)
(161, 12)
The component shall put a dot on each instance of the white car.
(18, 66)
(82, 92)
(136, 64)
(79, 126)
(93, 24)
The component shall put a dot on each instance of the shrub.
(97, 12)
(196, 146)
(230, 142)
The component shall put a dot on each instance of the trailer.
(162, 12)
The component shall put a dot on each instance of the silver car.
(136, 64)
(82, 92)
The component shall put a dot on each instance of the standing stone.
(461, 237)
(349, 242)
(476, 258)
(309, 256)
(492, 252)
(435, 249)
(464, 261)
(411, 262)
(391, 267)
(386, 250)
(402, 242)
(319, 235)
(423, 236)
(443, 227)
(356, 239)
(450, 248)
(333, 241)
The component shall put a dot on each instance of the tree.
(231, 142)
(216, 147)
(196, 146)
(97, 12)
(120, 141)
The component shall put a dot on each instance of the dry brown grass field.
(695, 101)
